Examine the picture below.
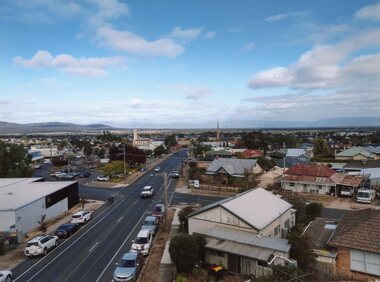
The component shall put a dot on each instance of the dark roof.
(358, 230)
(361, 164)
(320, 231)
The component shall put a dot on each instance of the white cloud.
(133, 43)
(278, 17)
(69, 64)
(107, 10)
(191, 92)
(210, 34)
(284, 16)
(186, 34)
(248, 47)
(369, 12)
(324, 66)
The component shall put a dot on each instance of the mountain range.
(61, 127)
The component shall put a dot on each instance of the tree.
(249, 181)
(160, 150)
(182, 217)
(301, 247)
(321, 148)
(14, 161)
(114, 167)
(87, 150)
(133, 155)
(186, 251)
(170, 141)
(265, 164)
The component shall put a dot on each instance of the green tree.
(160, 150)
(101, 153)
(87, 150)
(321, 149)
(249, 181)
(148, 152)
(186, 251)
(170, 141)
(265, 164)
(301, 247)
(114, 167)
(14, 161)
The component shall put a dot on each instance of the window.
(319, 186)
(365, 262)
(277, 230)
(291, 184)
(287, 223)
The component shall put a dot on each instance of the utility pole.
(166, 199)
(125, 171)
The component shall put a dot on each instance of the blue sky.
(161, 62)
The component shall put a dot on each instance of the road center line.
(93, 247)
(120, 218)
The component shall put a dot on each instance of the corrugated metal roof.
(353, 152)
(295, 152)
(248, 238)
(240, 249)
(232, 166)
(18, 192)
(317, 170)
(256, 207)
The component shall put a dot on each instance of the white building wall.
(201, 226)
(220, 215)
(7, 219)
(308, 187)
(57, 209)
(30, 214)
(269, 230)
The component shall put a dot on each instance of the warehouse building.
(23, 201)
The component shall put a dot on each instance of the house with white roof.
(24, 200)
(246, 233)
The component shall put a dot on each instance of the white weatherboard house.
(245, 233)
(24, 200)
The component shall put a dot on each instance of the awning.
(231, 247)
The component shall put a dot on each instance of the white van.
(143, 242)
(365, 196)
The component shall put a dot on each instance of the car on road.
(103, 178)
(66, 230)
(175, 174)
(65, 176)
(157, 169)
(158, 211)
(5, 276)
(143, 242)
(128, 268)
(40, 245)
(81, 217)
(147, 192)
(150, 223)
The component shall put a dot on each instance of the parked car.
(346, 191)
(103, 178)
(128, 268)
(147, 192)
(66, 230)
(365, 196)
(158, 211)
(40, 245)
(150, 223)
(157, 169)
(65, 176)
(84, 174)
(175, 174)
(5, 276)
(143, 242)
(81, 217)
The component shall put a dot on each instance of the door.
(233, 263)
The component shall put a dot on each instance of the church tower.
(217, 132)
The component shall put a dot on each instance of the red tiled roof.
(358, 230)
(310, 170)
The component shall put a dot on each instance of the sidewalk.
(166, 266)
(13, 257)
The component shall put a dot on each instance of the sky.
(137, 62)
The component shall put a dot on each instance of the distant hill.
(49, 127)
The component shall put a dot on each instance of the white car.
(81, 217)
(103, 178)
(143, 242)
(5, 276)
(40, 245)
(157, 169)
(147, 192)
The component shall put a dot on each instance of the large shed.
(23, 201)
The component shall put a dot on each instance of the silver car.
(128, 267)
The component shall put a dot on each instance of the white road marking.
(120, 218)
(126, 239)
(93, 247)
(59, 254)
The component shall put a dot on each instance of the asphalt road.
(91, 253)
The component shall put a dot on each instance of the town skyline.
(88, 62)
